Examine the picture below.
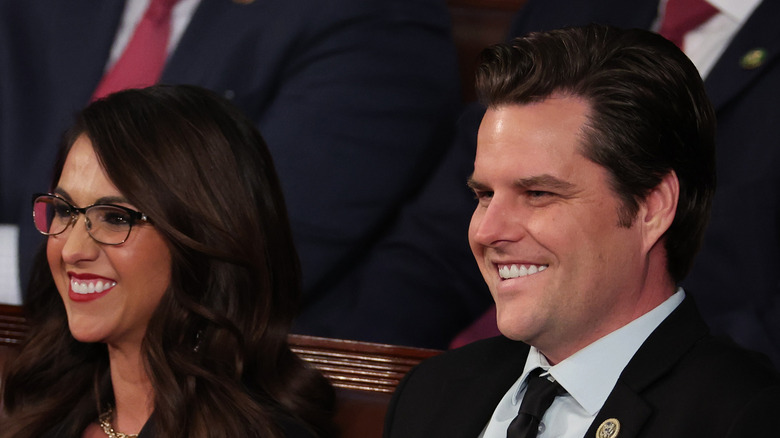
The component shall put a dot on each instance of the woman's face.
(128, 279)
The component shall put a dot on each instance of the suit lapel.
(84, 32)
(660, 352)
(625, 406)
(193, 55)
(215, 25)
(469, 402)
(626, 14)
(761, 32)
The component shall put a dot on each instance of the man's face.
(546, 231)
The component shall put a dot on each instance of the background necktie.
(682, 16)
(539, 395)
(142, 61)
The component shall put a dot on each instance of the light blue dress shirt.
(588, 376)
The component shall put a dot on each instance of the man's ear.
(658, 209)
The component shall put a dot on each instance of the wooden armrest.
(362, 366)
(365, 375)
(13, 325)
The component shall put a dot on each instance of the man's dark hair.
(649, 115)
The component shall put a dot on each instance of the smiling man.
(594, 175)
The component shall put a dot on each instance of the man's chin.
(510, 327)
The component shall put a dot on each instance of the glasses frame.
(135, 216)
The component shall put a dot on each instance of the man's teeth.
(513, 271)
(90, 287)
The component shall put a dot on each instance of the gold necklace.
(108, 429)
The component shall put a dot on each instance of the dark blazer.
(736, 276)
(682, 382)
(355, 99)
(422, 274)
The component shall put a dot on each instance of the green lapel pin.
(753, 59)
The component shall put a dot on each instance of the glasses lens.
(108, 224)
(51, 215)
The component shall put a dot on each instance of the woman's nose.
(78, 245)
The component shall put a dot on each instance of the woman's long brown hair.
(216, 348)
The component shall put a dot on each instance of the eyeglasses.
(106, 223)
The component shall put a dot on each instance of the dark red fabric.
(682, 16)
(142, 62)
(484, 327)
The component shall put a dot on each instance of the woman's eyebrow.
(102, 200)
(112, 200)
(62, 192)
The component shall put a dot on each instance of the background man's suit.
(667, 390)
(354, 98)
(736, 276)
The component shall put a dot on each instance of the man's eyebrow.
(542, 181)
(474, 184)
(545, 181)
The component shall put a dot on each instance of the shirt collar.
(534, 360)
(590, 374)
(739, 10)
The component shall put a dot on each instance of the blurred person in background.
(355, 99)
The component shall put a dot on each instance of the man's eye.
(481, 195)
(538, 193)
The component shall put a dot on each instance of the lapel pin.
(608, 429)
(753, 59)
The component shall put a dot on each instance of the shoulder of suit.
(479, 356)
(721, 356)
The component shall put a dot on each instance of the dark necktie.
(539, 395)
(682, 16)
(143, 59)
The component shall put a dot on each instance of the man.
(736, 48)
(594, 171)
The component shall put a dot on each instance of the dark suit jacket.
(425, 282)
(682, 382)
(736, 276)
(355, 99)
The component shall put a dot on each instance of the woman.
(162, 302)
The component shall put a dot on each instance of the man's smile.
(514, 271)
